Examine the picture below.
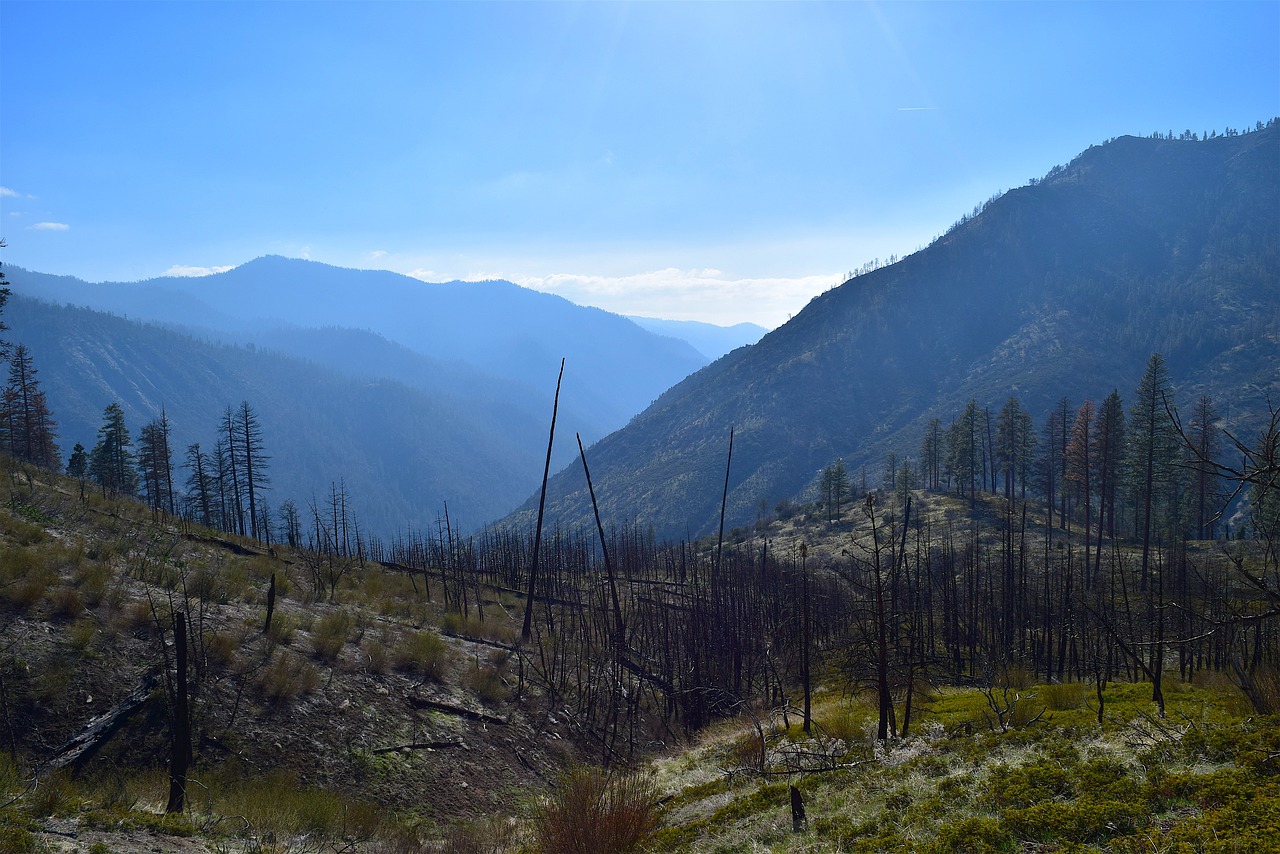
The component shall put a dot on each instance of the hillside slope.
(416, 395)
(1064, 287)
(402, 451)
(496, 328)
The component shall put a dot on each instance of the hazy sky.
(713, 161)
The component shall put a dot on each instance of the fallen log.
(416, 745)
(81, 748)
(448, 708)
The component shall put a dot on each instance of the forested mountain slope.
(415, 394)
(708, 339)
(493, 328)
(1061, 288)
(401, 451)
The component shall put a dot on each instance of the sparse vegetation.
(1046, 648)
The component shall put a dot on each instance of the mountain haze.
(415, 394)
(401, 452)
(1062, 287)
(708, 339)
(494, 327)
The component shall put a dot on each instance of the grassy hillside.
(374, 708)
(393, 708)
(1061, 288)
(402, 450)
(1051, 778)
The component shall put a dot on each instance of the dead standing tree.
(527, 629)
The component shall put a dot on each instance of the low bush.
(330, 633)
(590, 812)
(286, 678)
(423, 653)
(1063, 696)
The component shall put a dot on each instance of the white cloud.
(187, 270)
(7, 193)
(708, 295)
(427, 275)
(50, 226)
(376, 254)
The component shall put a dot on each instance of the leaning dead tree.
(527, 629)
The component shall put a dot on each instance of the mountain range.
(1064, 287)
(413, 394)
(418, 394)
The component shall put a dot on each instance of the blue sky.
(712, 161)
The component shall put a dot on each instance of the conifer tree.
(1080, 468)
(1108, 450)
(1015, 444)
(155, 463)
(1153, 454)
(255, 464)
(1205, 478)
(111, 463)
(4, 298)
(964, 448)
(931, 455)
(78, 465)
(231, 470)
(29, 425)
(78, 462)
(199, 486)
(1152, 457)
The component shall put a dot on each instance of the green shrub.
(330, 633)
(423, 653)
(282, 628)
(590, 812)
(54, 794)
(1063, 696)
(1029, 784)
(15, 839)
(376, 654)
(974, 835)
(81, 633)
(93, 580)
(1081, 821)
(287, 677)
(485, 681)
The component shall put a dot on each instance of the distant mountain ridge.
(501, 329)
(469, 369)
(708, 339)
(401, 452)
(1063, 287)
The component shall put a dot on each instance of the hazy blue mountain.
(480, 359)
(403, 452)
(708, 339)
(1063, 287)
(614, 368)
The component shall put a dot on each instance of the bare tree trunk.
(527, 629)
(180, 753)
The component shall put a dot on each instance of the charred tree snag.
(527, 629)
(180, 752)
(271, 605)
(620, 627)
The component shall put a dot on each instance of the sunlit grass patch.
(422, 653)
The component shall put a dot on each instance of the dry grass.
(287, 677)
(1061, 697)
(329, 634)
(423, 653)
(592, 812)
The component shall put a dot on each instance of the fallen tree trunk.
(81, 748)
(448, 708)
